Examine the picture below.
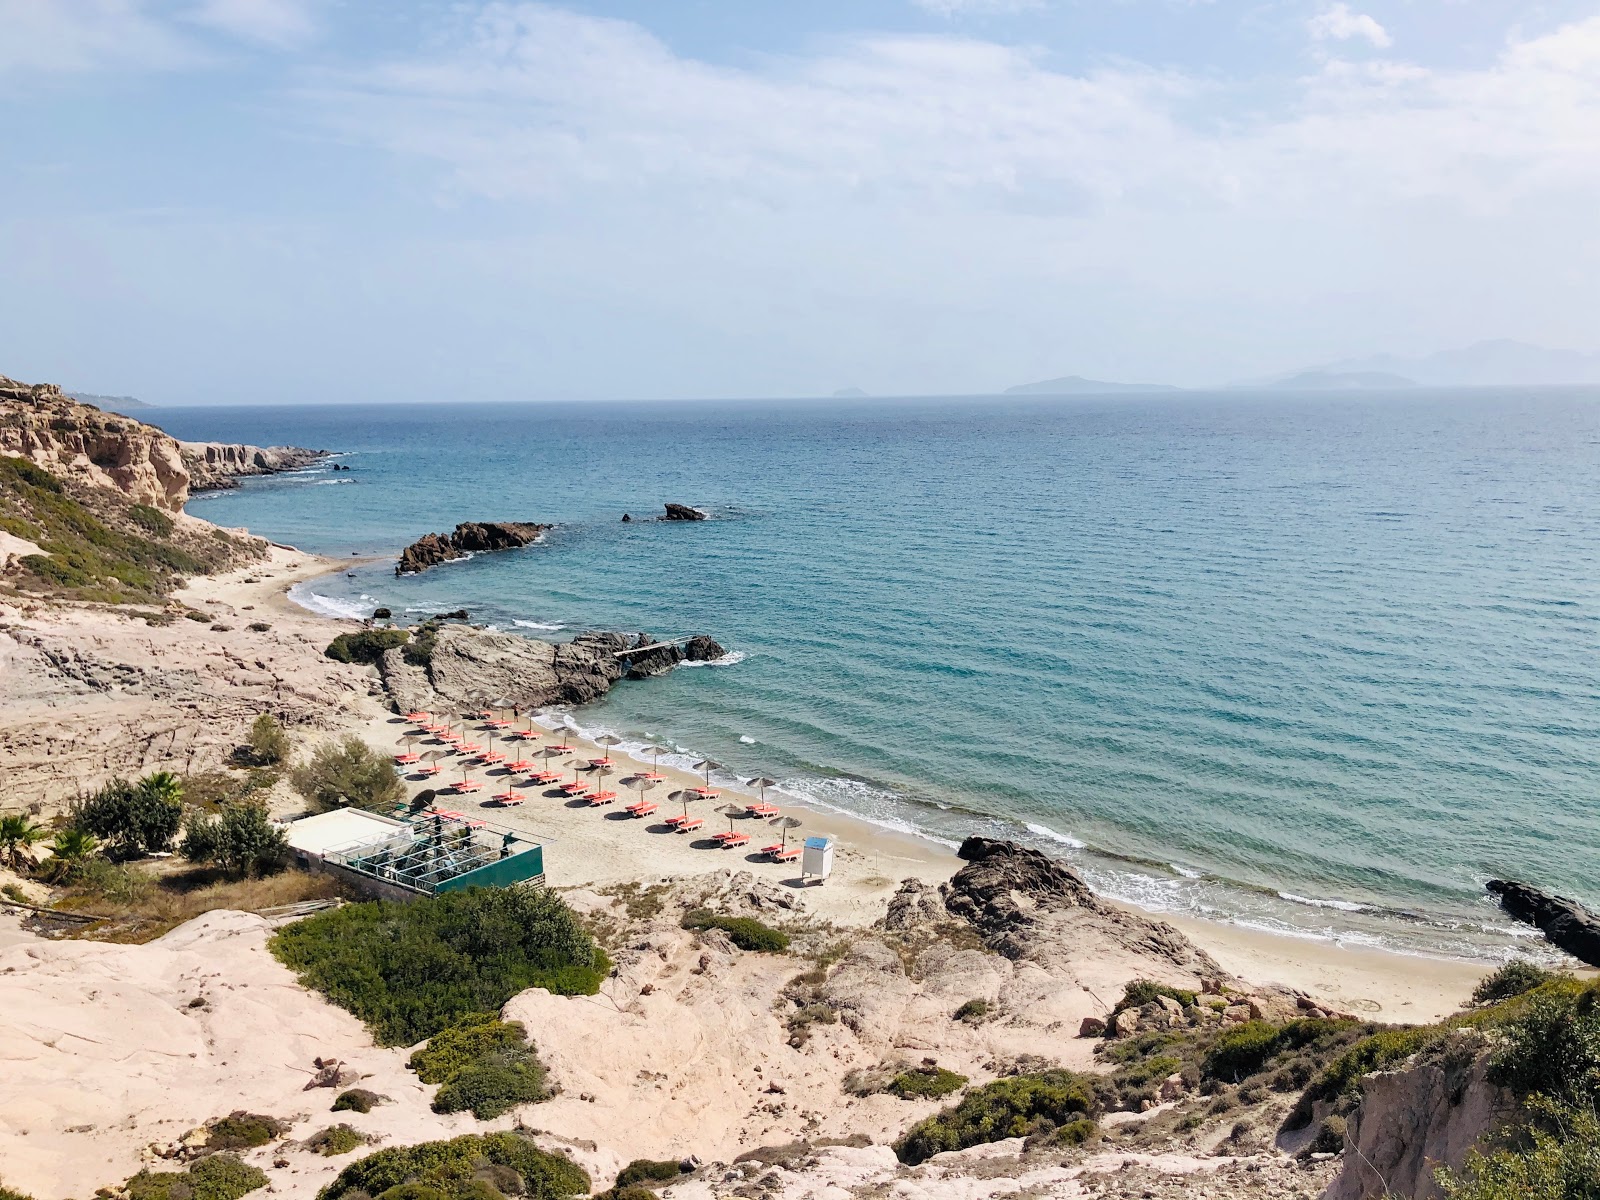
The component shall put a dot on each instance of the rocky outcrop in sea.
(454, 666)
(1565, 923)
(682, 512)
(217, 465)
(469, 537)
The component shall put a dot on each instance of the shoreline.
(591, 849)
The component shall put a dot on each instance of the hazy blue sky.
(258, 200)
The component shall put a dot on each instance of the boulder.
(682, 512)
(1091, 1027)
(469, 537)
(1565, 923)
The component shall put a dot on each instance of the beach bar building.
(434, 851)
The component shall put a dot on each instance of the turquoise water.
(1315, 664)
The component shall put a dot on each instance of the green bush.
(366, 645)
(647, 1170)
(926, 1083)
(1142, 991)
(335, 1140)
(1242, 1050)
(744, 932)
(455, 1170)
(7, 1194)
(1513, 979)
(356, 1100)
(243, 842)
(410, 970)
(1558, 1160)
(215, 1177)
(242, 1130)
(482, 1064)
(1013, 1107)
(973, 1012)
(72, 853)
(133, 819)
(1552, 1045)
(1330, 1135)
(267, 744)
(348, 774)
(151, 519)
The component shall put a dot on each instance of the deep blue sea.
(1312, 663)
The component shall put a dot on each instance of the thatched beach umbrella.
(762, 782)
(683, 796)
(600, 771)
(730, 811)
(433, 756)
(708, 766)
(607, 740)
(407, 739)
(642, 784)
(785, 824)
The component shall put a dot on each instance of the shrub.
(215, 1177)
(366, 645)
(258, 627)
(647, 1170)
(348, 773)
(18, 835)
(356, 1100)
(453, 1170)
(482, 1064)
(1515, 978)
(243, 842)
(1560, 1160)
(1142, 991)
(1340, 1080)
(744, 932)
(134, 819)
(115, 882)
(335, 1140)
(1330, 1135)
(1242, 1050)
(7, 1194)
(267, 744)
(1552, 1046)
(241, 1130)
(71, 852)
(1014, 1107)
(409, 970)
(973, 1012)
(926, 1083)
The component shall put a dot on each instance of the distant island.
(1337, 381)
(116, 404)
(1071, 385)
(850, 393)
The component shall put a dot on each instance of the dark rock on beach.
(661, 658)
(465, 666)
(1565, 923)
(470, 537)
(682, 512)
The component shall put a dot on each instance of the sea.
(1313, 664)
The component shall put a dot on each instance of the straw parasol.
(600, 773)
(762, 782)
(785, 824)
(407, 739)
(708, 766)
(683, 796)
(642, 784)
(608, 740)
(730, 811)
(433, 756)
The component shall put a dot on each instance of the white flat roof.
(339, 828)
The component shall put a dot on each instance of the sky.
(271, 201)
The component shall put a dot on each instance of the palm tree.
(162, 786)
(17, 837)
(70, 850)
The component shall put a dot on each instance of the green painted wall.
(516, 869)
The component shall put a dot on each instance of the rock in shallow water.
(1565, 923)
(470, 537)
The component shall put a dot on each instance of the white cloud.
(85, 35)
(1339, 23)
(275, 22)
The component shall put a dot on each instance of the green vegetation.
(482, 1064)
(365, 645)
(926, 1083)
(1516, 978)
(336, 1140)
(1143, 991)
(133, 819)
(7, 1194)
(356, 1100)
(1558, 1160)
(1019, 1106)
(744, 932)
(973, 1012)
(267, 744)
(348, 774)
(472, 1167)
(70, 853)
(242, 842)
(242, 1130)
(96, 546)
(410, 970)
(18, 836)
(647, 1170)
(1551, 1045)
(419, 650)
(215, 1177)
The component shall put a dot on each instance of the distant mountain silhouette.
(1498, 361)
(1337, 381)
(850, 393)
(1069, 385)
(116, 404)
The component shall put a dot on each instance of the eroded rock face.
(79, 442)
(682, 512)
(216, 465)
(473, 666)
(658, 659)
(1413, 1121)
(470, 537)
(1565, 923)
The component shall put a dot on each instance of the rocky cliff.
(469, 537)
(214, 465)
(79, 442)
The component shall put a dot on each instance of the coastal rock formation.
(659, 658)
(1565, 923)
(79, 442)
(1413, 1121)
(682, 512)
(216, 465)
(469, 537)
(464, 665)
